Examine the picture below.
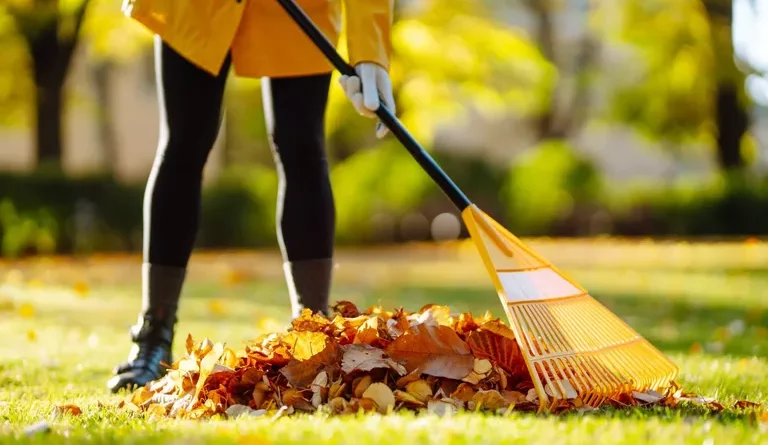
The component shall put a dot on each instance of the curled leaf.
(381, 395)
(366, 358)
(437, 350)
(420, 390)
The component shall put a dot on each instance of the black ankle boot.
(152, 343)
(309, 285)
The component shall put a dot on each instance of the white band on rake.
(536, 285)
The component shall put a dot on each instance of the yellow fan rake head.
(574, 346)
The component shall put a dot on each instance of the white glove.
(364, 89)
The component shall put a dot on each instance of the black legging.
(190, 113)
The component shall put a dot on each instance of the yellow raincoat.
(262, 37)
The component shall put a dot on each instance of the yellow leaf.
(31, 335)
(206, 366)
(381, 395)
(141, 396)
(420, 390)
(26, 310)
(81, 289)
(233, 277)
(310, 353)
(408, 399)
(216, 307)
(189, 344)
(229, 358)
(373, 330)
(482, 366)
(156, 410)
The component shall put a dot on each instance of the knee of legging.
(303, 161)
(185, 154)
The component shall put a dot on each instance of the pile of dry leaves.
(375, 361)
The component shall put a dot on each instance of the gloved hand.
(363, 91)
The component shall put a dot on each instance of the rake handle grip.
(427, 163)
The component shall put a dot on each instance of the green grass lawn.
(58, 345)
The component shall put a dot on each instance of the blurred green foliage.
(547, 185)
(450, 58)
(49, 214)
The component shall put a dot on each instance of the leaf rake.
(574, 347)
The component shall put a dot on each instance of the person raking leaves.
(196, 45)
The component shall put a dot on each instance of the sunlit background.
(625, 140)
(559, 118)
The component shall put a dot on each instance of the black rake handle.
(429, 165)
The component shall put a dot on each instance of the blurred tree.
(449, 58)
(51, 32)
(730, 99)
(50, 29)
(569, 100)
(685, 87)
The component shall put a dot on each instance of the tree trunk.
(51, 49)
(545, 37)
(48, 131)
(730, 114)
(102, 74)
(732, 123)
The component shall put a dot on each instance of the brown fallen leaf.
(514, 396)
(361, 357)
(346, 309)
(407, 399)
(465, 392)
(408, 378)
(338, 405)
(436, 349)
(206, 366)
(297, 399)
(72, 410)
(745, 404)
(364, 404)
(373, 332)
(496, 342)
(490, 400)
(360, 384)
